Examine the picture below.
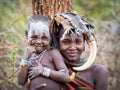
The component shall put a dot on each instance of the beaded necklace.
(37, 57)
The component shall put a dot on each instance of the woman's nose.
(72, 46)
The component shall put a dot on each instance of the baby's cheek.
(46, 43)
(31, 42)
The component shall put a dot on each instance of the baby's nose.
(39, 41)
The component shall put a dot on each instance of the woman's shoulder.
(100, 76)
(99, 68)
(53, 50)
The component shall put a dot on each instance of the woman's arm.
(101, 77)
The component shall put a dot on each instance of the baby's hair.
(38, 24)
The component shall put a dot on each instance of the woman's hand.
(35, 71)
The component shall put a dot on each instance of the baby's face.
(40, 42)
(38, 36)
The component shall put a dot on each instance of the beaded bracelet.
(24, 62)
(46, 72)
(72, 77)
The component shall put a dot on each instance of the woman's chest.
(87, 76)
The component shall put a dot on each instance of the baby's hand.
(35, 71)
(28, 52)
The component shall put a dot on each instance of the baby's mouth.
(39, 48)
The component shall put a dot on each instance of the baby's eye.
(34, 37)
(44, 38)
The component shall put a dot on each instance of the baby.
(42, 67)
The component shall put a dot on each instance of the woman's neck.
(75, 63)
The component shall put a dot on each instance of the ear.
(26, 33)
(84, 41)
(84, 46)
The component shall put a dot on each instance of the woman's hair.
(55, 34)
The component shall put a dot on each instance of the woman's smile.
(72, 54)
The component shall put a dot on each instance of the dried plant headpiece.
(72, 24)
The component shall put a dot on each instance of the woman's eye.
(78, 41)
(66, 42)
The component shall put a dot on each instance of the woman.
(69, 32)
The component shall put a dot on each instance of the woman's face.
(70, 48)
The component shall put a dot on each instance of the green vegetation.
(13, 23)
(101, 9)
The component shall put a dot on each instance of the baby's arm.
(62, 74)
(24, 66)
(22, 75)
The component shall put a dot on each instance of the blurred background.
(104, 15)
